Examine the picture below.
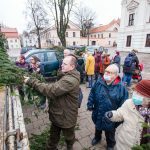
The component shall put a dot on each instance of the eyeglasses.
(109, 72)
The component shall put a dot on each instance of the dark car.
(25, 49)
(49, 60)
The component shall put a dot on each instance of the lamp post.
(88, 24)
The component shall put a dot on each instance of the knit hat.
(143, 87)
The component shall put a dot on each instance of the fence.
(14, 133)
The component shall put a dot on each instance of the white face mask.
(107, 77)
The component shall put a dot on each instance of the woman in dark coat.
(107, 94)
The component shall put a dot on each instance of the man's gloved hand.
(26, 79)
(108, 114)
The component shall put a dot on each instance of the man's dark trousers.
(55, 137)
(110, 137)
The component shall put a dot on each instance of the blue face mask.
(107, 77)
(137, 99)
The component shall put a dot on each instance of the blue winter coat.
(99, 101)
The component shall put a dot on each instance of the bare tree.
(37, 14)
(61, 10)
(81, 14)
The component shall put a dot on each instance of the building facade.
(12, 37)
(134, 32)
(105, 35)
(49, 36)
(29, 39)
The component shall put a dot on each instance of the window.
(128, 43)
(98, 36)
(16, 40)
(131, 19)
(74, 43)
(41, 56)
(74, 34)
(147, 40)
(95, 35)
(109, 42)
(11, 41)
(102, 36)
(109, 35)
(66, 34)
(91, 36)
(51, 56)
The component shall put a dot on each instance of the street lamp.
(88, 24)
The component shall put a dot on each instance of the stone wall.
(36, 120)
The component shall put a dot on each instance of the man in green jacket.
(63, 102)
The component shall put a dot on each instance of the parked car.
(49, 60)
(93, 47)
(25, 49)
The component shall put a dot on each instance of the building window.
(128, 43)
(98, 36)
(109, 42)
(102, 36)
(11, 41)
(74, 43)
(95, 36)
(131, 19)
(66, 34)
(109, 35)
(16, 40)
(147, 40)
(91, 36)
(74, 34)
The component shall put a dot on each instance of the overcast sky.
(11, 11)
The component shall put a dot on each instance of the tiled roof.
(10, 32)
(104, 27)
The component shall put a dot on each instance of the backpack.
(128, 61)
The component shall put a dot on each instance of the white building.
(49, 36)
(134, 29)
(12, 37)
(105, 35)
(29, 39)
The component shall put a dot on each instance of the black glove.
(108, 114)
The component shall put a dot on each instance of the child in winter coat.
(133, 113)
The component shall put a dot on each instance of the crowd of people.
(113, 112)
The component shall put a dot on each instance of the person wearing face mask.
(107, 94)
(133, 113)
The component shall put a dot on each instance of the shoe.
(95, 141)
(110, 148)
